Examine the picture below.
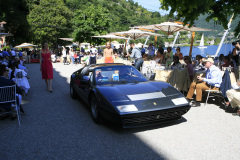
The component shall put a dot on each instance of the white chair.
(215, 94)
(8, 95)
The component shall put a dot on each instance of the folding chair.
(8, 95)
(215, 92)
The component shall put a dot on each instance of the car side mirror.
(86, 78)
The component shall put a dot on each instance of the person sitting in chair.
(233, 98)
(213, 79)
(7, 82)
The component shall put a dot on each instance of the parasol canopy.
(171, 27)
(110, 36)
(66, 39)
(25, 45)
(135, 34)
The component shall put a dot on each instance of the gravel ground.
(57, 127)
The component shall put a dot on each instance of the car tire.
(73, 92)
(95, 109)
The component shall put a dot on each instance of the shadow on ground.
(57, 127)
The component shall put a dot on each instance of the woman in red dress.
(46, 66)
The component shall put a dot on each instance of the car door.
(76, 78)
(84, 85)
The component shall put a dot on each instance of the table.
(177, 78)
(163, 75)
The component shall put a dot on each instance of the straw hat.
(209, 60)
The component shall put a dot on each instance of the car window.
(117, 75)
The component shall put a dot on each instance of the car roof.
(93, 66)
(106, 64)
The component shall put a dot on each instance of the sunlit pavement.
(57, 127)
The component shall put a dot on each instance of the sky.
(151, 5)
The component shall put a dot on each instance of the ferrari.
(122, 95)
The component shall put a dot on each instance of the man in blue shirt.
(151, 52)
(136, 53)
(5, 53)
(213, 79)
(143, 51)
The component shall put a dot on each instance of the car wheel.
(73, 92)
(95, 109)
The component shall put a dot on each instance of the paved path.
(57, 127)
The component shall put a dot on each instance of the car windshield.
(118, 75)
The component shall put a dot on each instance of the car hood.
(144, 95)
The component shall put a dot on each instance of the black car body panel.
(154, 102)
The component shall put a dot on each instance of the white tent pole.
(146, 40)
(128, 40)
(175, 39)
(224, 35)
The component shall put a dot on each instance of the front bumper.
(153, 117)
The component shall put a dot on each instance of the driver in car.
(99, 76)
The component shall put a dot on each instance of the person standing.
(136, 53)
(64, 55)
(5, 53)
(108, 53)
(143, 51)
(46, 66)
(71, 54)
(28, 56)
(13, 53)
(151, 52)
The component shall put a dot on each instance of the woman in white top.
(64, 55)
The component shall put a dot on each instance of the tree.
(14, 13)
(49, 21)
(218, 10)
(94, 20)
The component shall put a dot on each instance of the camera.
(234, 43)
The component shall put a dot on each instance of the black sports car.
(122, 95)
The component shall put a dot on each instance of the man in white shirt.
(233, 96)
(13, 53)
(94, 50)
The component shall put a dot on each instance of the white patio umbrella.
(66, 39)
(136, 33)
(110, 37)
(171, 27)
(25, 45)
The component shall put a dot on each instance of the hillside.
(201, 22)
(123, 14)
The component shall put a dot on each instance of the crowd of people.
(13, 71)
(12, 63)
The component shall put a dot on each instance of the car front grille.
(154, 117)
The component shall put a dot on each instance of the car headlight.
(127, 108)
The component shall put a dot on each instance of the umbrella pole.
(155, 41)
(190, 52)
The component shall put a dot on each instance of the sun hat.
(208, 60)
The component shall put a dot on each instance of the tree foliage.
(49, 20)
(217, 10)
(94, 20)
(14, 13)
